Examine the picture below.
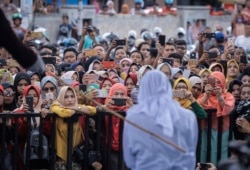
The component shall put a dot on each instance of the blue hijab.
(155, 96)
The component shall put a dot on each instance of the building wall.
(121, 24)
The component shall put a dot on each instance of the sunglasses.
(47, 89)
(9, 93)
(46, 54)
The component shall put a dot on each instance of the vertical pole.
(79, 26)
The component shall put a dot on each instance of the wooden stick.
(134, 124)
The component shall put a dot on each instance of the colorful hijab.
(112, 91)
(38, 106)
(215, 65)
(183, 102)
(229, 79)
(133, 76)
(155, 96)
(109, 79)
(60, 98)
(46, 80)
(203, 71)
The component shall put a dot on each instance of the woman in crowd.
(234, 89)
(9, 97)
(233, 71)
(156, 107)
(241, 114)
(34, 92)
(134, 68)
(65, 106)
(196, 86)
(143, 70)
(166, 69)
(204, 74)
(186, 99)
(7, 163)
(117, 91)
(216, 67)
(130, 82)
(124, 67)
(20, 82)
(223, 102)
(245, 77)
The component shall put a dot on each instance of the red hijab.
(133, 76)
(113, 89)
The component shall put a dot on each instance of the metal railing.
(102, 146)
(208, 129)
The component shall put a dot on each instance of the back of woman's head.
(154, 83)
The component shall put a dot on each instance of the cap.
(17, 16)
(219, 37)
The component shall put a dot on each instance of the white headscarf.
(142, 71)
(156, 100)
(194, 80)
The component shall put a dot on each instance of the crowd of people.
(161, 87)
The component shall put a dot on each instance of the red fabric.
(115, 120)
(101, 84)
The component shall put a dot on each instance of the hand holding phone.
(29, 102)
(211, 81)
(243, 59)
(209, 35)
(179, 94)
(49, 96)
(119, 101)
(162, 40)
(120, 42)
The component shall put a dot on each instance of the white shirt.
(244, 42)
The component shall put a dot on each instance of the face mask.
(125, 69)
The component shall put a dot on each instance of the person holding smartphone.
(30, 92)
(216, 97)
(117, 100)
(185, 97)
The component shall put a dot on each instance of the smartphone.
(49, 60)
(3, 62)
(93, 86)
(36, 35)
(212, 55)
(211, 81)
(49, 96)
(168, 60)
(209, 35)
(102, 93)
(29, 102)
(193, 55)
(162, 40)
(92, 157)
(119, 102)
(108, 64)
(192, 62)
(243, 59)
(179, 94)
(120, 42)
(204, 166)
(83, 87)
(230, 41)
(91, 52)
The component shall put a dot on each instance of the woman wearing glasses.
(9, 97)
(49, 92)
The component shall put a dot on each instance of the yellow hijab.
(183, 102)
(229, 79)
